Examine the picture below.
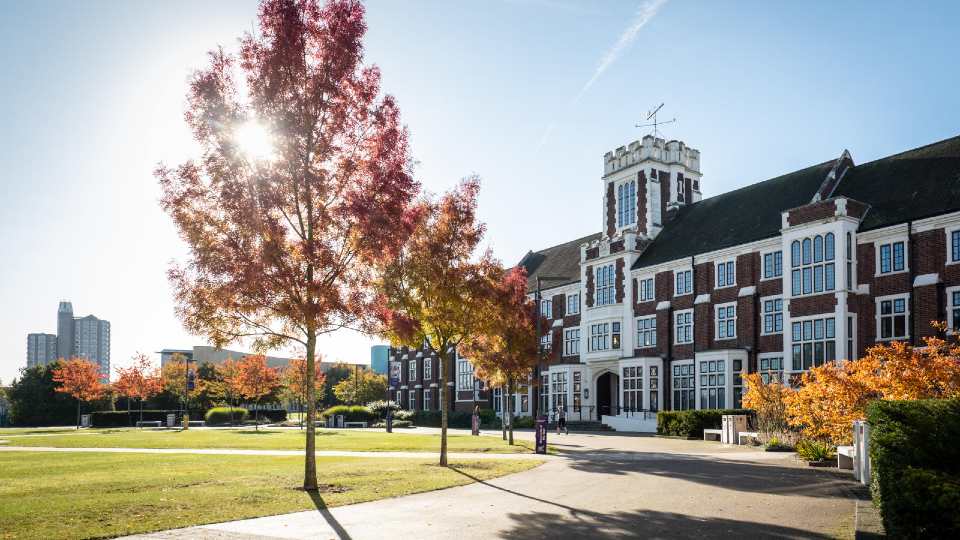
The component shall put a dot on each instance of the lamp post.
(188, 385)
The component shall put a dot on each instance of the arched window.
(795, 254)
(807, 255)
(828, 247)
(813, 270)
(817, 248)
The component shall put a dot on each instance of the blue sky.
(93, 96)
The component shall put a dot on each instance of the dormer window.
(626, 204)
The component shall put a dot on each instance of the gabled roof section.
(558, 261)
(910, 185)
(737, 217)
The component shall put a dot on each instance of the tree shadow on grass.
(321, 506)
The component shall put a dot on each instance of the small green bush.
(124, 419)
(523, 422)
(403, 415)
(916, 466)
(487, 417)
(776, 445)
(220, 416)
(690, 424)
(351, 413)
(810, 450)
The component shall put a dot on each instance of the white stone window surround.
(724, 318)
(622, 195)
(839, 329)
(763, 313)
(573, 303)
(769, 356)
(839, 226)
(605, 331)
(878, 316)
(646, 332)
(646, 288)
(952, 321)
(763, 255)
(718, 272)
(687, 273)
(727, 356)
(800, 266)
(877, 244)
(683, 335)
(644, 364)
(571, 341)
(948, 231)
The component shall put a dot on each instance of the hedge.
(455, 419)
(221, 416)
(915, 459)
(690, 424)
(351, 413)
(271, 415)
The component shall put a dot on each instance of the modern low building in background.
(208, 354)
(379, 359)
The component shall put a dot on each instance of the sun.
(254, 140)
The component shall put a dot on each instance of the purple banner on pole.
(541, 434)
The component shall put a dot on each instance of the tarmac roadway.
(601, 485)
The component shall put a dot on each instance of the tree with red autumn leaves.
(505, 348)
(435, 291)
(79, 378)
(139, 381)
(229, 373)
(283, 246)
(295, 381)
(257, 380)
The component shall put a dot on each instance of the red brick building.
(678, 296)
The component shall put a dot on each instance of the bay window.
(713, 384)
(604, 336)
(813, 343)
(632, 388)
(684, 386)
(626, 203)
(811, 260)
(605, 289)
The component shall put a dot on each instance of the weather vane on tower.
(654, 123)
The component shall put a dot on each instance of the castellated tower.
(645, 182)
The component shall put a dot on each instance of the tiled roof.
(737, 217)
(911, 185)
(557, 261)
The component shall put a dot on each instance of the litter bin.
(171, 420)
(340, 420)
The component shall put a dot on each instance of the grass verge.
(79, 495)
(263, 439)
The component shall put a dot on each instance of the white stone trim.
(877, 317)
(434, 385)
(948, 292)
(702, 299)
(948, 232)
(747, 291)
(665, 304)
(926, 279)
(418, 386)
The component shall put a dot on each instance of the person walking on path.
(562, 420)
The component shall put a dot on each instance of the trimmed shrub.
(351, 413)
(488, 417)
(403, 415)
(916, 466)
(690, 424)
(221, 416)
(270, 415)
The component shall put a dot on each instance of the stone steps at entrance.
(584, 425)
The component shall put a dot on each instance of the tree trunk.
(510, 401)
(448, 355)
(256, 413)
(141, 409)
(310, 461)
(503, 413)
(78, 413)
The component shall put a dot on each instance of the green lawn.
(262, 440)
(82, 495)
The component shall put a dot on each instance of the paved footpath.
(602, 485)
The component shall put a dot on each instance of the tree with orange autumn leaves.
(504, 350)
(830, 397)
(256, 379)
(283, 246)
(434, 292)
(139, 381)
(79, 378)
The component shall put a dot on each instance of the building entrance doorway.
(608, 386)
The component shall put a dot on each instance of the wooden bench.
(712, 433)
(845, 456)
(355, 424)
(148, 423)
(743, 434)
(197, 423)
